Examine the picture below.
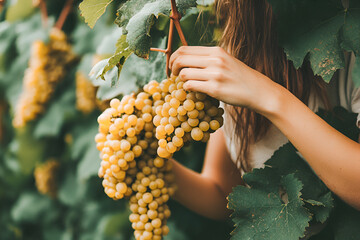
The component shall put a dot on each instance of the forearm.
(199, 193)
(334, 157)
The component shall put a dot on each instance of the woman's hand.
(213, 71)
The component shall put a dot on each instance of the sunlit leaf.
(92, 10)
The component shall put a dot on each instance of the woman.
(268, 102)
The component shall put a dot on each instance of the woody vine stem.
(175, 17)
(63, 15)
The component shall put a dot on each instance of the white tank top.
(341, 92)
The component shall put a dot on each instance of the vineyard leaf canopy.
(89, 163)
(52, 121)
(30, 207)
(319, 30)
(128, 10)
(266, 184)
(138, 23)
(131, 77)
(136, 20)
(71, 190)
(19, 9)
(118, 59)
(261, 214)
(92, 10)
(286, 160)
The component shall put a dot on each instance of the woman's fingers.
(196, 86)
(209, 88)
(189, 61)
(190, 50)
(195, 51)
(193, 74)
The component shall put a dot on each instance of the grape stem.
(175, 17)
(64, 14)
(44, 14)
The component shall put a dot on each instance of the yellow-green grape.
(137, 136)
(47, 67)
(194, 113)
(197, 134)
(45, 177)
(121, 141)
(149, 205)
(86, 100)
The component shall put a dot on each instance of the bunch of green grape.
(183, 116)
(138, 135)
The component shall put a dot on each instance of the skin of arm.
(334, 157)
(205, 193)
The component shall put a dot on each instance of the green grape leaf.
(51, 122)
(195, 20)
(19, 10)
(314, 30)
(324, 207)
(7, 37)
(286, 160)
(178, 233)
(128, 10)
(83, 136)
(53, 233)
(86, 40)
(136, 72)
(111, 42)
(267, 182)
(139, 25)
(71, 190)
(85, 64)
(261, 214)
(118, 59)
(346, 222)
(111, 224)
(28, 150)
(30, 207)
(30, 31)
(351, 32)
(89, 164)
(92, 10)
(316, 196)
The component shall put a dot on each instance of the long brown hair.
(249, 34)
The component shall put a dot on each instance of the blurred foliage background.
(78, 209)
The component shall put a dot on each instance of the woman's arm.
(206, 192)
(334, 157)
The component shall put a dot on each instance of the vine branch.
(2, 3)
(175, 17)
(64, 14)
(44, 14)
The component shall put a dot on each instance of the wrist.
(273, 106)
